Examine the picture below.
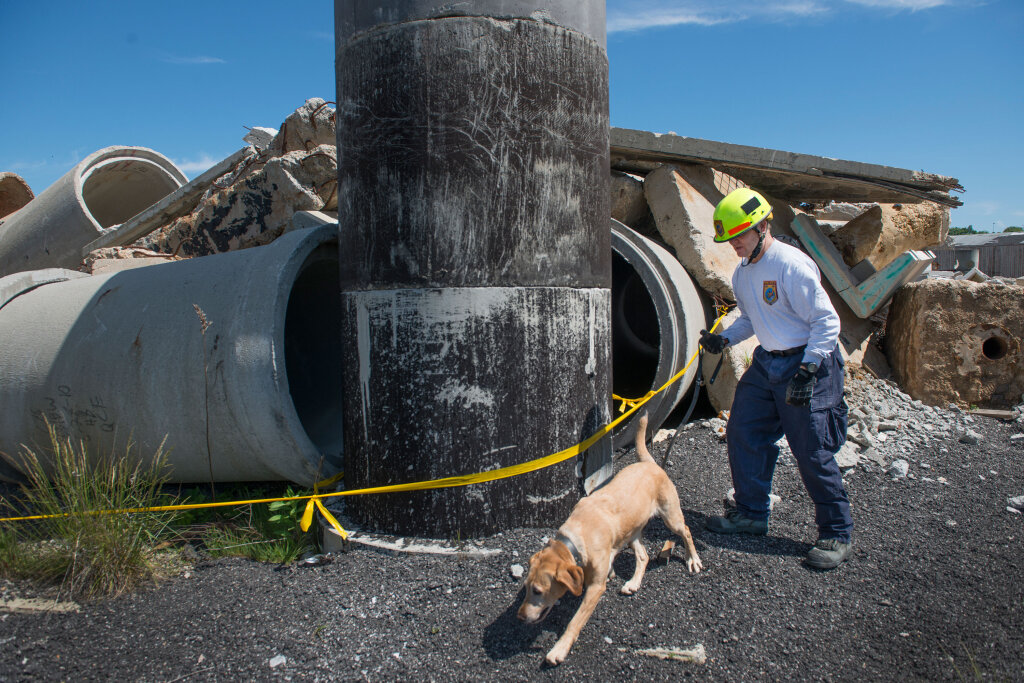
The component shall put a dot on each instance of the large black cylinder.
(473, 204)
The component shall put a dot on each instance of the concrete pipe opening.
(117, 187)
(312, 331)
(657, 315)
(255, 396)
(103, 190)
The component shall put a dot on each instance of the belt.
(788, 352)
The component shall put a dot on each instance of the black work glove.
(800, 388)
(712, 343)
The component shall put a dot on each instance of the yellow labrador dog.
(581, 554)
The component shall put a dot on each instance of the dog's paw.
(694, 565)
(629, 588)
(557, 655)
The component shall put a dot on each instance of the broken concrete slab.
(628, 203)
(958, 341)
(793, 177)
(307, 128)
(14, 193)
(864, 296)
(884, 231)
(256, 208)
(683, 200)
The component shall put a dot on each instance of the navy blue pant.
(759, 418)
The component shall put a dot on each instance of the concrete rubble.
(254, 202)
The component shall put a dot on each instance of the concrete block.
(628, 203)
(885, 231)
(683, 200)
(958, 341)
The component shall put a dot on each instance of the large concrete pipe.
(108, 358)
(473, 170)
(657, 315)
(103, 190)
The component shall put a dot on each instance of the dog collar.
(573, 550)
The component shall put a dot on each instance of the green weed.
(265, 532)
(89, 554)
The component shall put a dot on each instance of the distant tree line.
(969, 230)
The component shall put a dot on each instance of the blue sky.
(933, 85)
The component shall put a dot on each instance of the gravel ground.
(933, 591)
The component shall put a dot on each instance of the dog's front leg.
(633, 585)
(561, 649)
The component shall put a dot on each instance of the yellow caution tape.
(314, 500)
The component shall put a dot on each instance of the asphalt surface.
(933, 591)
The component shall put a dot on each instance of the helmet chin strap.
(757, 250)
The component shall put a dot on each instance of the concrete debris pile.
(885, 425)
(253, 203)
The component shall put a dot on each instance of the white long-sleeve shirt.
(781, 300)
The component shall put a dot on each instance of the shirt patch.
(771, 292)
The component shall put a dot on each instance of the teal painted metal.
(866, 296)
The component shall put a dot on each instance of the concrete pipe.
(657, 315)
(473, 170)
(110, 358)
(103, 190)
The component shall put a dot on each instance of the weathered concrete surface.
(958, 341)
(255, 208)
(107, 358)
(683, 200)
(473, 180)
(883, 232)
(628, 203)
(736, 360)
(14, 193)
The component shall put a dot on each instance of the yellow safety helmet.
(739, 211)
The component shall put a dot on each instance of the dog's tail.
(642, 454)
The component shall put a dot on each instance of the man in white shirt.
(794, 385)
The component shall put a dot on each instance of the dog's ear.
(571, 578)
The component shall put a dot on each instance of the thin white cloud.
(632, 15)
(202, 59)
(196, 166)
(912, 5)
(636, 15)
